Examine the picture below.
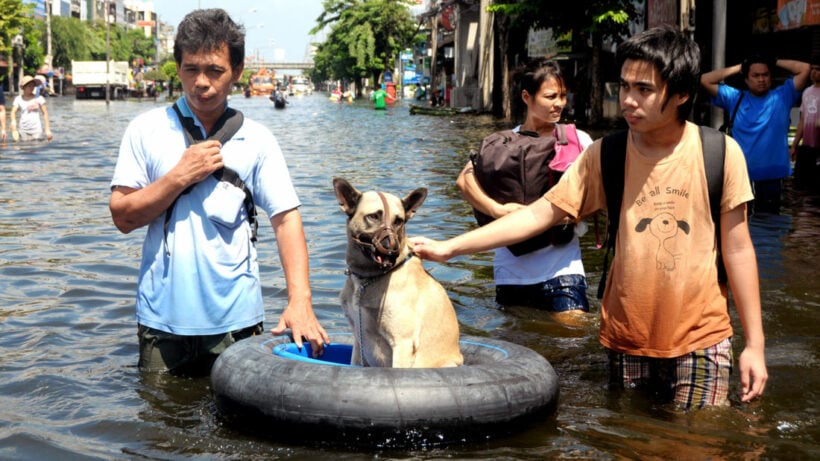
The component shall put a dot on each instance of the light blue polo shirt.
(203, 278)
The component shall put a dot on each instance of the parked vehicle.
(90, 80)
(263, 82)
(301, 85)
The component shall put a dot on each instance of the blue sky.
(269, 24)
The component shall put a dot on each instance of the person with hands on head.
(664, 320)
(762, 119)
(199, 289)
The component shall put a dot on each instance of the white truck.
(89, 79)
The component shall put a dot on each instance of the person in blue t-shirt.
(199, 289)
(762, 119)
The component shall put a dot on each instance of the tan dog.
(401, 317)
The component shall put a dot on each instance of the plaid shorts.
(694, 380)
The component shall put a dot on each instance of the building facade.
(462, 55)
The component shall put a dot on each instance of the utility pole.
(157, 40)
(107, 54)
(19, 44)
(718, 49)
(49, 56)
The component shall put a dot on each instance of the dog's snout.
(386, 242)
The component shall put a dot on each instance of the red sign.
(146, 23)
(448, 18)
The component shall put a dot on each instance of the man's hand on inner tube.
(303, 326)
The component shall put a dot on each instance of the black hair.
(674, 55)
(531, 77)
(537, 72)
(746, 65)
(208, 30)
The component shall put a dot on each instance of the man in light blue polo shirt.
(199, 289)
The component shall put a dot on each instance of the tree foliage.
(16, 18)
(591, 22)
(169, 68)
(365, 38)
(156, 75)
(71, 39)
(607, 17)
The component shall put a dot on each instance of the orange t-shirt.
(662, 298)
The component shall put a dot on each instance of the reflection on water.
(68, 349)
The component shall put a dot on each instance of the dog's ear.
(413, 201)
(643, 224)
(347, 195)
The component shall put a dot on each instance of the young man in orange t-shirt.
(664, 316)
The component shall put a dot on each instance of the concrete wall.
(468, 46)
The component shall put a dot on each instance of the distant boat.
(439, 110)
(279, 100)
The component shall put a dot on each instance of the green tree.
(77, 40)
(365, 39)
(119, 43)
(34, 54)
(169, 68)
(15, 18)
(142, 47)
(245, 79)
(590, 21)
(69, 38)
(156, 75)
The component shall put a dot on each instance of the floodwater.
(70, 389)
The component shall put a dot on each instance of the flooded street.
(70, 389)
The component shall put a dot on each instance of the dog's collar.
(349, 271)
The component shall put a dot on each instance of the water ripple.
(68, 347)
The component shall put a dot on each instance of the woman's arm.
(478, 199)
(14, 120)
(798, 136)
(46, 123)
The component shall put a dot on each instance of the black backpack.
(223, 130)
(613, 159)
(514, 167)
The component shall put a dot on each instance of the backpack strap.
(561, 134)
(613, 162)
(728, 127)
(223, 130)
(714, 153)
(613, 165)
